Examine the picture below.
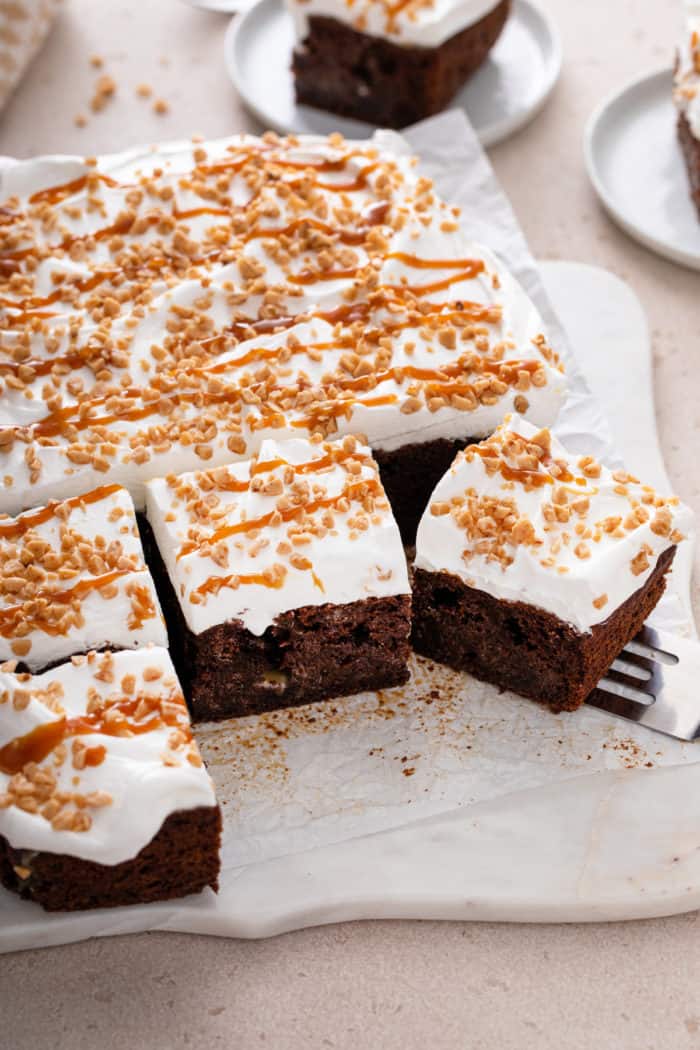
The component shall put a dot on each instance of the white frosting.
(55, 563)
(145, 777)
(353, 555)
(687, 78)
(568, 577)
(422, 23)
(157, 328)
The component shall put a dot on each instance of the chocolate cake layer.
(521, 647)
(309, 654)
(183, 858)
(691, 152)
(340, 69)
(410, 473)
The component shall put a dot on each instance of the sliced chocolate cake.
(104, 799)
(534, 567)
(390, 63)
(73, 578)
(283, 578)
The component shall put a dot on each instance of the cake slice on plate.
(390, 62)
(73, 578)
(104, 799)
(687, 97)
(283, 578)
(534, 567)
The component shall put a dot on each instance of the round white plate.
(635, 163)
(505, 94)
(230, 7)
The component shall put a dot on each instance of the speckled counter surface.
(384, 985)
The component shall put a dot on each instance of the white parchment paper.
(296, 780)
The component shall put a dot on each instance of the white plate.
(506, 93)
(635, 163)
(230, 7)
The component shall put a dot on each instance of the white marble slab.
(510, 818)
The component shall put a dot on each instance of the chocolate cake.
(390, 64)
(104, 799)
(534, 568)
(687, 99)
(283, 578)
(73, 578)
(207, 296)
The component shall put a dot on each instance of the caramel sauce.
(55, 194)
(369, 485)
(217, 583)
(45, 366)
(36, 745)
(534, 478)
(473, 266)
(323, 462)
(193, 213)
(16, 614)
(12, 530)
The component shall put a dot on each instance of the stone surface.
(389, 985)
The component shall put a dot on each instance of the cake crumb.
(105, 89)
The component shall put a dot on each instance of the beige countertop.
(367, 985)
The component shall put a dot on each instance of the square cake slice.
(73, 578)
(283, 578)
(687, 97)
(535, 567)
(104, 799)
(390, 63)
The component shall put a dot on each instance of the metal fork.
(653, 682)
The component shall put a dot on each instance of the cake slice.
(73, 578)
(390, 63)
(535, 567)
(283, 578)
(687, 97)
(104, 799)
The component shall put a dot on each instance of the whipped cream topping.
(95, 754)
(687, 77)
(421, 23)
(169, 310)
(304, 523)
(73, 578)
(521, 519)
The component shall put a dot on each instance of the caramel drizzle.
(365, 487)
(56, 194)
(38, 744)
(12, 530)
(214, 584)
(534, 478)
(10, 619)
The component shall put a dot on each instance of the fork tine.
(669, 701)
